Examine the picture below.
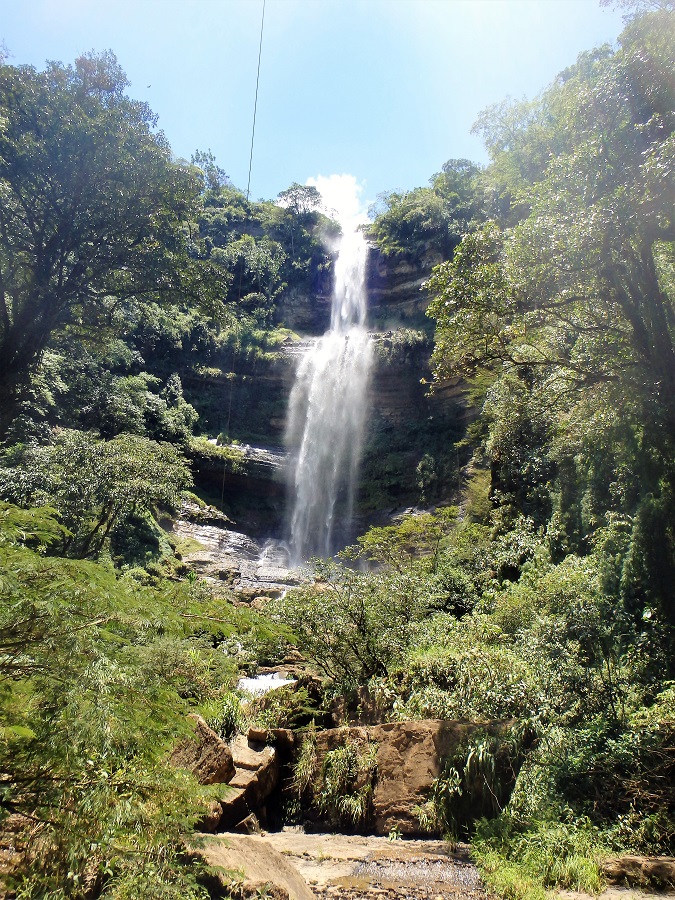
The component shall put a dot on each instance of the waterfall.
(326, 416)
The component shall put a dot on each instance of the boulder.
(256, 775)
(205, 755)
(210, 821)
(249, 825)
(246, 780)
(640, 871)
(410, 755)
(283, 739)
(233, 809)
(265, 871)
(255, 757)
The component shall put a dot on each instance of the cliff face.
(395, 288)
(409, 455)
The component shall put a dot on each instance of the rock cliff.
(409, 455)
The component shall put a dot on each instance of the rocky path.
(297, 866)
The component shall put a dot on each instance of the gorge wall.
(409, 455)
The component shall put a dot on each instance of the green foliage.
(402, 345)
(301, 199)
(475, 781)
(97, 674)
(232, 456)
(565, 300)
(341, 788)
(414, 536)
(357, 625)
(346, 782)
(350, 624)
(305, 768)
(225, 715)
(521, 867)
(93, 208)
(428, 218)
(95, 485)
(284, 707)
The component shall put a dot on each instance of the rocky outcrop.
(257, 775)
(205, 755)
(306, 312)
(247, 767)
(251, 480)
(640, 871)
(231, 561)
(395, 286)
(264, 872)
(410, 755)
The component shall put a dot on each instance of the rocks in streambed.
(257, 770)
(256, 777)
(395, 766)
(249, 769)
(265, 871)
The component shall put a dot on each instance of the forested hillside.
(148, 313)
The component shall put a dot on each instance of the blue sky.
(385, 90)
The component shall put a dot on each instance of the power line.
(255, 105)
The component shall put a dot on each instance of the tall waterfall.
(327, 411)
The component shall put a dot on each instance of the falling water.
(326, 414)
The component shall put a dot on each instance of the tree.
(97, 675)
(568, 297)
(93, 210)
(214, 177)
(578, 287)
(95, 485)
(429, 217)
(301, 199)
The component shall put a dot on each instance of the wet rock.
(205, 755)
(234, 564)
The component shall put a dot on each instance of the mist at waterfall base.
(327, 413)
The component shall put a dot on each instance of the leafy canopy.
(93, 209)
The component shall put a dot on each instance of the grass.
(549, 855)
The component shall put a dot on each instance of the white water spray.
(327, 411)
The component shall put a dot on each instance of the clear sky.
(385, 90)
